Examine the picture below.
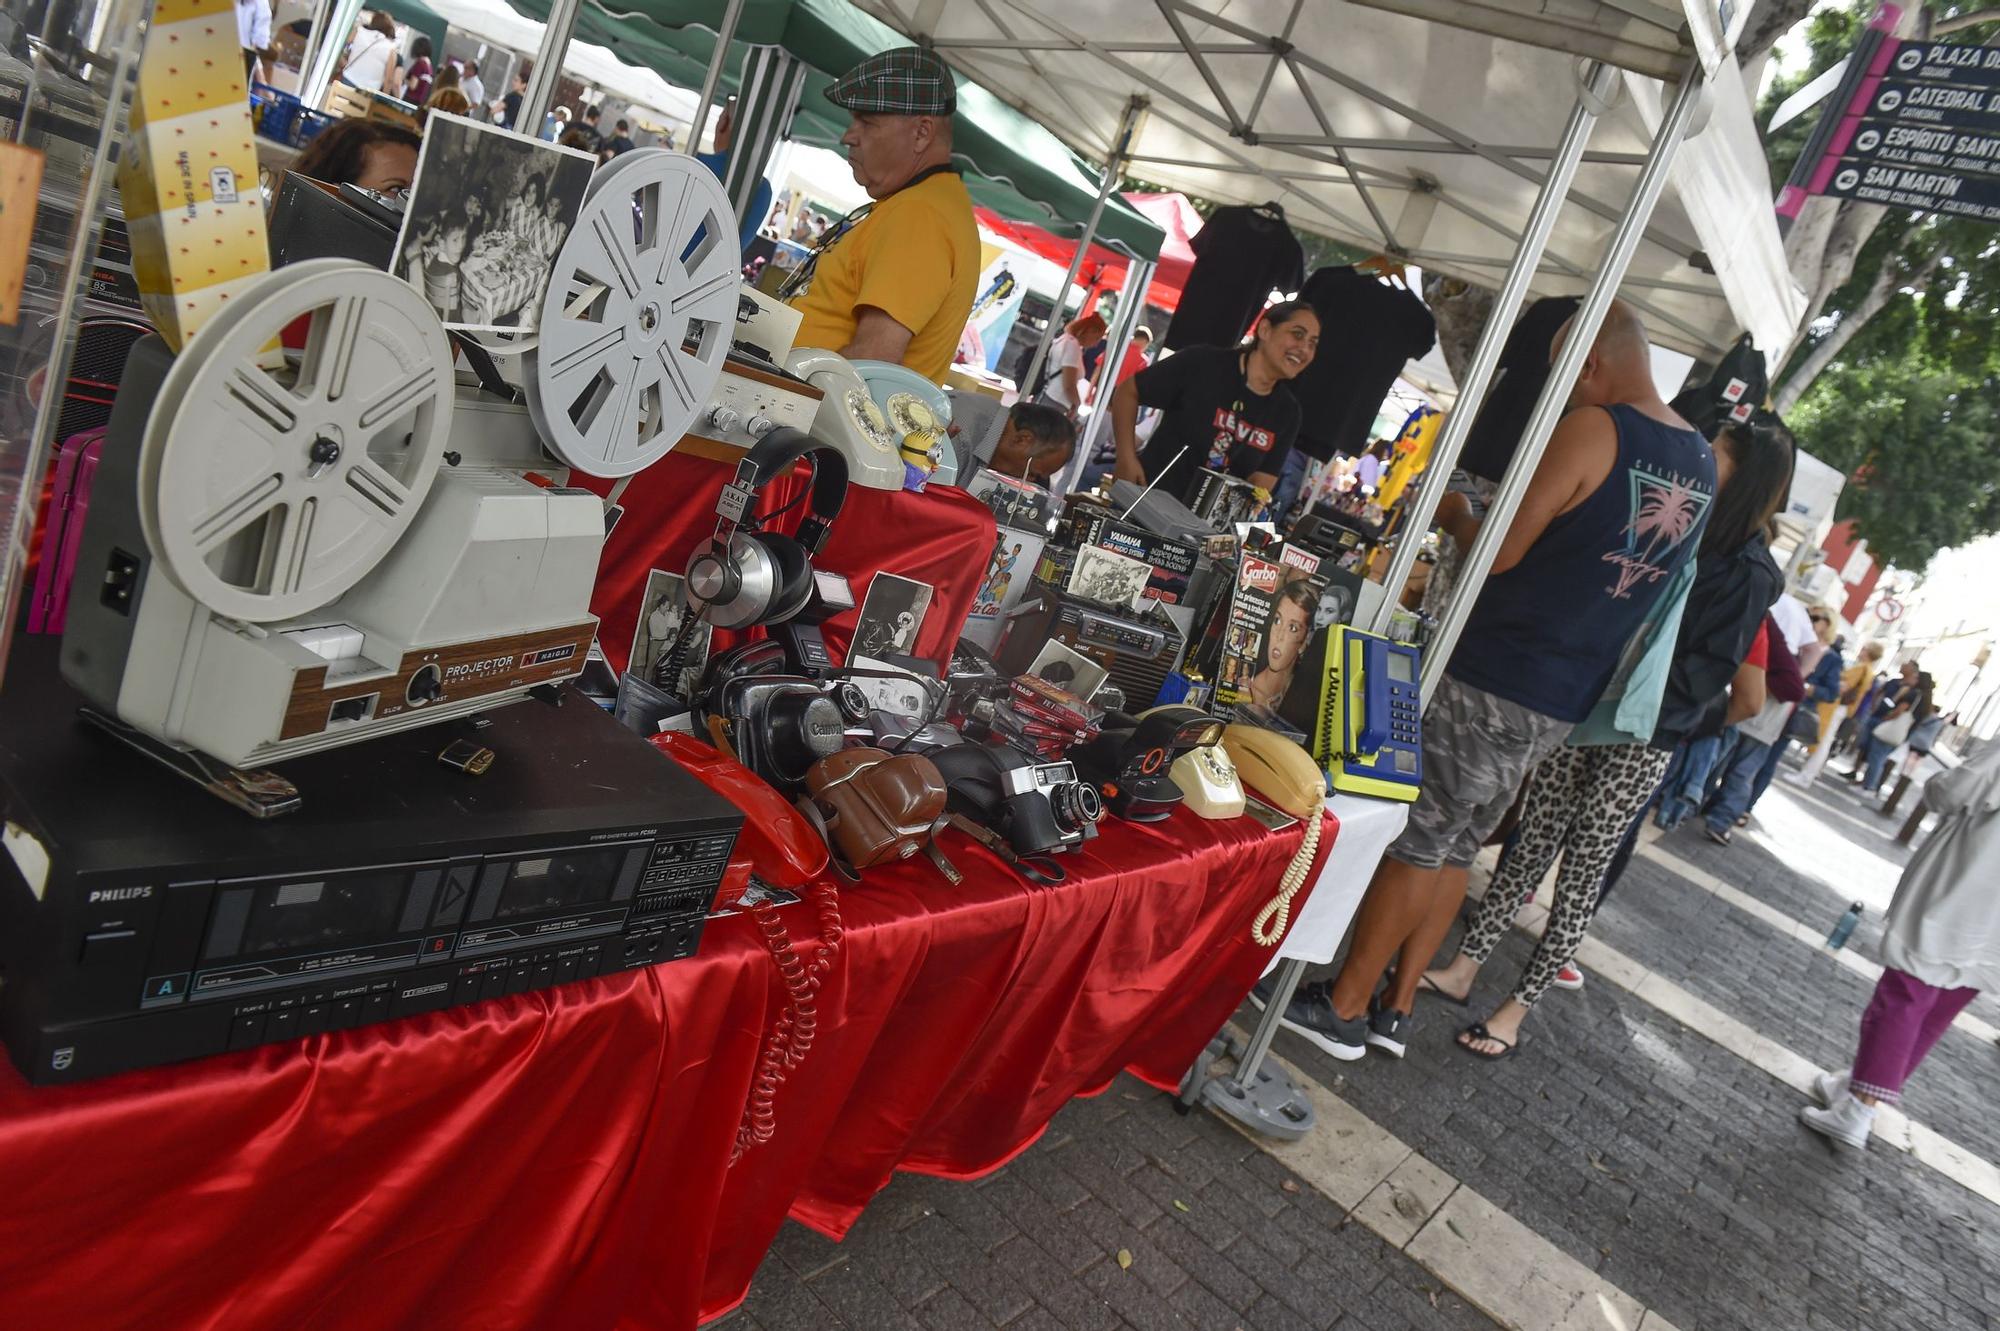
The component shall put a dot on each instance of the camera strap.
(1034, 868)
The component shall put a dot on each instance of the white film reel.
(638, 316)
(265, 494)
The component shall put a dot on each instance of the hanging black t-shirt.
(1241, 256)
(1510, 399)
(1368, 331)
(1207, 407)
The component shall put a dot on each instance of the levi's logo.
(121, 893)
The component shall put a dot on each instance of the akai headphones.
(745, 576)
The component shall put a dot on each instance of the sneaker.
(1847, 1121)
(1389, 1031)
(1311, 1014)
(1829, 1087)
(1569, 977)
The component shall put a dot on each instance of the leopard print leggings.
(1580, 801)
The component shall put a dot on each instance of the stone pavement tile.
(986, 1285)
(851, 1291)
(1498, 1264)
(948, 1311)
(779, 1301)
(1401, 1203)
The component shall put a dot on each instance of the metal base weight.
(1271, 1103)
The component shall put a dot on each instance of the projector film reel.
(265, 494)
(638, 316)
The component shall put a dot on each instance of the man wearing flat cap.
(894, 280)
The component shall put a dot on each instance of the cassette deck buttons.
(283, 1025)
(246, 1030)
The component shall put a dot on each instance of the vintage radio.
(1138, 649)
(142, 922)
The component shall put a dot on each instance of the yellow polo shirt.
(915, 257)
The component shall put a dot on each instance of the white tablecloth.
(1367, 826)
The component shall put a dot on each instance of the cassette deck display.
(142, 921)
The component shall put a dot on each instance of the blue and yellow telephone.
(1372, 716)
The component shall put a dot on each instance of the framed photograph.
(663, 611)
(1067, 669)
(488, 213)
(1109, 578)
(891, 617)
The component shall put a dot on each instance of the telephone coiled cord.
(1269, 926)
(791, 1035)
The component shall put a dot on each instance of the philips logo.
(121, 893)
(423, 989)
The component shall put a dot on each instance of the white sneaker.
(1847, 1122)
(1829, 1087)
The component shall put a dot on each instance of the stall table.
(562, 1158)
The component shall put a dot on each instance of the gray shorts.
(1477, 751)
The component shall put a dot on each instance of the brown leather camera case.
(878, 807)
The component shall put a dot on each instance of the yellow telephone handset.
(1284, 774)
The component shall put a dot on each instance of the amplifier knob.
(725, 419)
(760, 426)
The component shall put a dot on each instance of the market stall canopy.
(1103, 268)
(1385, 131)
(1013, 165)
(496, 22)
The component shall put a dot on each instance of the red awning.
(1103, 268)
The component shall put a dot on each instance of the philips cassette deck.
(143, 922)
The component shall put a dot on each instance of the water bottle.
(1844, 929)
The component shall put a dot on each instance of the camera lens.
(1076, 805)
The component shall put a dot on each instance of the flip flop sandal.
(1426, 985)
(1477, 1030)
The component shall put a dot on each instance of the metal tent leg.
(1264, 1099)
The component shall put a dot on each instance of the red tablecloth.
(560, 1159)
(943, 537)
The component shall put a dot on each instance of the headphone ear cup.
(792, 585)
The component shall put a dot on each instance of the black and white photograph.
(895, 691)
(662, 613)
(488, 213)
(1109, 578)
(1068, 669)
(891, 616)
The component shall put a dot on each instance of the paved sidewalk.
(1654, 1154)
(1035, 1246)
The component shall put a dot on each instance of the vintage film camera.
(287, 560)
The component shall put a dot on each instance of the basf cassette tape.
(285, 560)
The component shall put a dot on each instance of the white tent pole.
(542, 79)
(1562, 376)
(713, 78)
(1593, 99)
(332, 21)
(1131, 303)
(1114, 168)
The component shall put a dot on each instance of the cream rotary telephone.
(850, 420)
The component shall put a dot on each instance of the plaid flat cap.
(908, 81)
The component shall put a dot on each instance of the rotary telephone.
(777, 848)
(1208, 781)
(849, 419)
(1286, 776)
(919, 415)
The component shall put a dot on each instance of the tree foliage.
(1918, 445)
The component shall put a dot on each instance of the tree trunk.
(1769, 20)
(1461, 310)
(1823, 353)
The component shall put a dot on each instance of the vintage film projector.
(283, 561)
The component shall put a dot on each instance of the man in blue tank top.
(1617, 503)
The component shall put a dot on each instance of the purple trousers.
(1904, 1019)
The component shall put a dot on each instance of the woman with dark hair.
(417, 81)
(1285, 639)
(371, 63)
(1585, 793)
(1222, 408)
(369, 153)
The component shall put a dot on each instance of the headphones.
(745, 577)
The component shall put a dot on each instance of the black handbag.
(1804, 724)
